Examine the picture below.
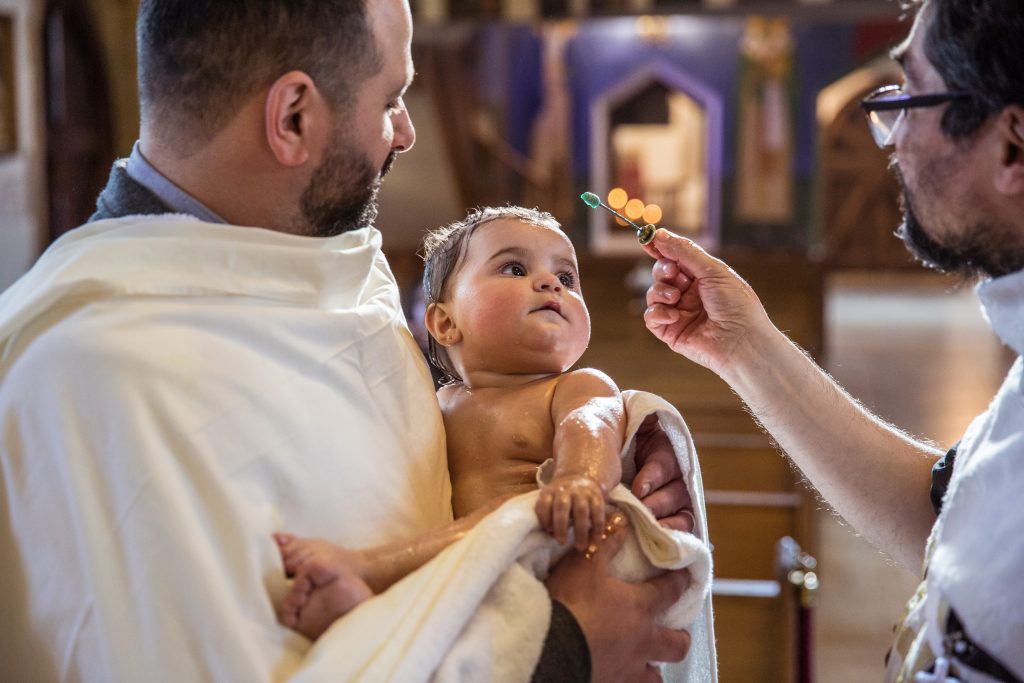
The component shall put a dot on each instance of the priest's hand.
(699, 306)
(618, 618)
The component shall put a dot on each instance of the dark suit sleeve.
(942, 471)
(123, 196)
(566, 656)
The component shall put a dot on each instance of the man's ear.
(293, 118)
(441, 325)
(1010, 127)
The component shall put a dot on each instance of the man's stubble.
(342, 194)
(980, 247)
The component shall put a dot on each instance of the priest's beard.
(981, 249)
(342, 194)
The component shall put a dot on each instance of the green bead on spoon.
(644, 234)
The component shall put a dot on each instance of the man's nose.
(405, 132)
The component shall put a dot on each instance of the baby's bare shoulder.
(450, 396)
(585, 387)
(589, 380)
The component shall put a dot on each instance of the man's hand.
(659, 482)
(618, 618)
(698, 305)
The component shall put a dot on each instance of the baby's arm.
(590, 425)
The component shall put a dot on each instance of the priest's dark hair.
(973, 46)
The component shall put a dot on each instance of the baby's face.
(516, 299)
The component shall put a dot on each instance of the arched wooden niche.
(657, 134)
(860, 195)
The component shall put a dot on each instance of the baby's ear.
(441, 325)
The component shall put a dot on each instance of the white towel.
(479, 612)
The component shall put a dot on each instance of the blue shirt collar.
(176, 199)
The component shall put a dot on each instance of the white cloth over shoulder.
(450, 620)
(976, 548)
(171, 393)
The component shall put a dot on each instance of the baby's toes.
(295, 557)
(296, 599)
(289, 614)
(301, 589)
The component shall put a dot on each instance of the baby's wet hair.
(444, 249)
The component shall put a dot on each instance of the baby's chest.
(520, 440)
(500, 428)
(492, 435)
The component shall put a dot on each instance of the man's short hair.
(199, 60)
(973, 46)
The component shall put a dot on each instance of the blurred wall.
(23, 212)
(114, 22)
(22, 202)
(419, 194)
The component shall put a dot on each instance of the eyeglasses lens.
(883, 125)
(883, 122)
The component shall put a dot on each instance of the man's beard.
(342, 194)
(975, 252)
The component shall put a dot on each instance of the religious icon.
(658, 145)
(764, 193)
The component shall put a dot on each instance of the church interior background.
(734, 122)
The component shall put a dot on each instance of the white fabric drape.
(171, 392)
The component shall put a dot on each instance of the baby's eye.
(513, 268)
(568, 280)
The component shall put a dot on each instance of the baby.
(507, 321)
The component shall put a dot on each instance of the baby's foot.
(327, 584)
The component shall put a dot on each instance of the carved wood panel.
(860, 195)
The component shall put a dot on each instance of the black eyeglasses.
(886, 106)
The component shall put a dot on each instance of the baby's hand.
(578, 497)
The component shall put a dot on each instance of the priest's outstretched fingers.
(699, 306)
